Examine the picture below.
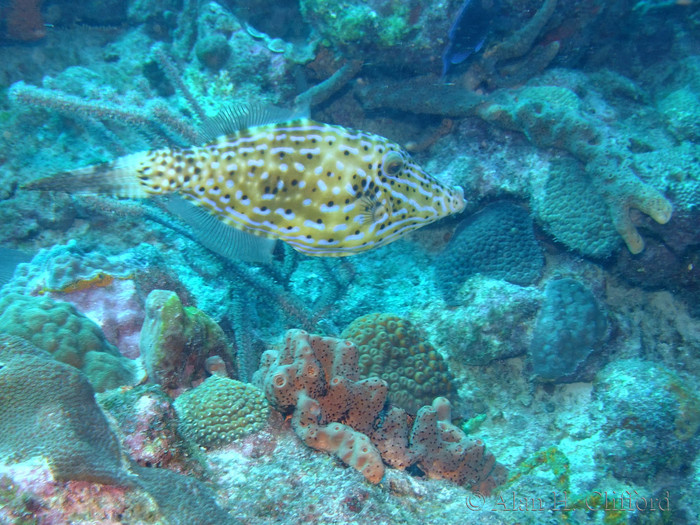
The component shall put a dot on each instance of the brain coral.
(221, 410)
(48, 409)
(569, 327)
(573, 213)
(69, 336)
(499, 242)
(393, 349)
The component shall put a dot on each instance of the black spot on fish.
(346, 153)
(282, 155)
(309, 156)
(294, 182)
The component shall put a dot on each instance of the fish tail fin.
(119, 178)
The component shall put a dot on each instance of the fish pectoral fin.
(219, 237)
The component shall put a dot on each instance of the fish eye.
(392, 163)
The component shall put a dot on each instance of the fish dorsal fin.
(238, 117)
(218, 236)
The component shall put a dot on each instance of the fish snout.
(458, 202)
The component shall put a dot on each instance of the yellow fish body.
(325, 190)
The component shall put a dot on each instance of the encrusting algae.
(325, 190)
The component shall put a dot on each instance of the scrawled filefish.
(325, 190)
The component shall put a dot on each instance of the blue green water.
(557, 312)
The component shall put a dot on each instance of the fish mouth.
(458, 202)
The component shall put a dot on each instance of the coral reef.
(493, 322)
(498, 242)
(146, 424)
(393, 349)
(377, 31)
(317, 379)
(102, 286)
(550, 116)
(569, 327)
(176, 341)
(68, 268)
(570, 212)
(181, 499)
(68, 336)
(652, 420)
(48, 409)
(221, 410)
(515, 59)
(583, 113)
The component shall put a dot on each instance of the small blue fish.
(468, 32)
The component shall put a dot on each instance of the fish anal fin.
(226, 240)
